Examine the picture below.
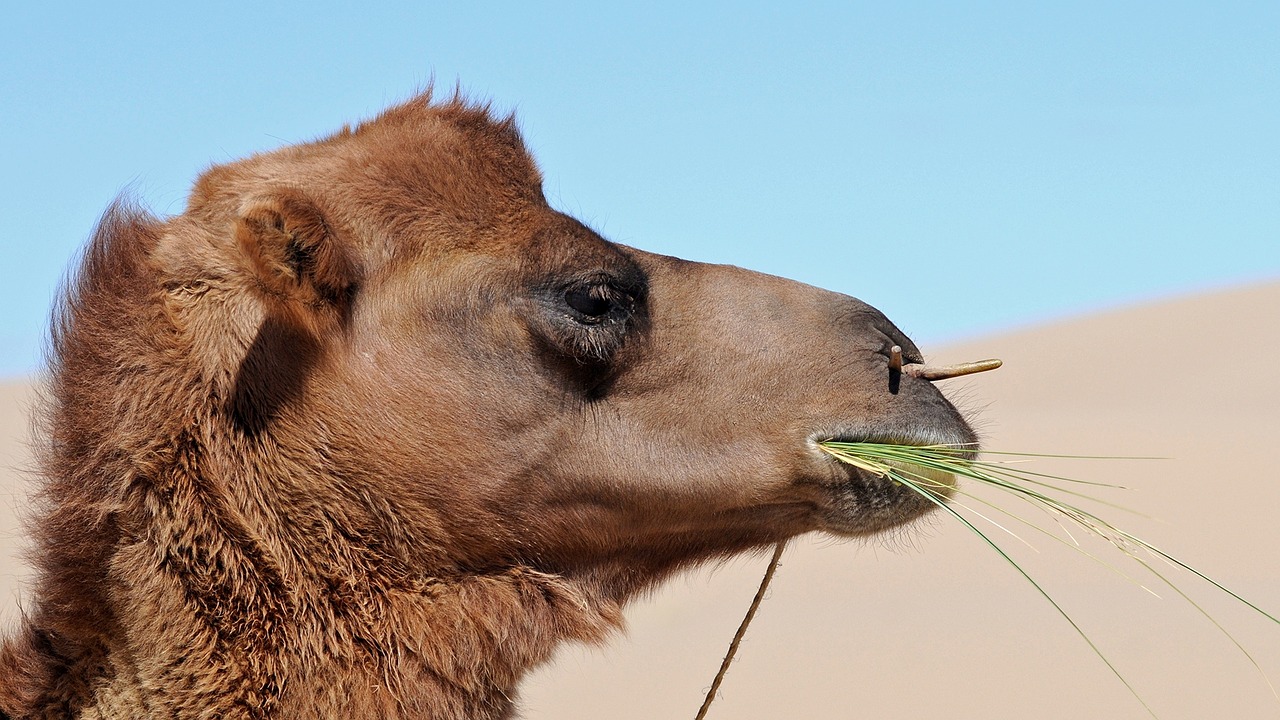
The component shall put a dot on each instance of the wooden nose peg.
(932, 372)
(946, 372)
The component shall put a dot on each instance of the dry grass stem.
(918, 468)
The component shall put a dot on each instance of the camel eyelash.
(595, 340)
(599, 303)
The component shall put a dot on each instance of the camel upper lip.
(920, 439)
(928, 437)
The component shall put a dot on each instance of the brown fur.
(370, 429)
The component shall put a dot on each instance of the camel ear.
(295, 257)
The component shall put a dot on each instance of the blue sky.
(964, 167)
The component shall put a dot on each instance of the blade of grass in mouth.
(895, 462)
(940, 502)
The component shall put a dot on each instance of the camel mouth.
(944, 482)
(865, 500)
(936, 437)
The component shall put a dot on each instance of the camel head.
(370, 413)
(515, 388)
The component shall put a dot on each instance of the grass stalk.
(930, 471)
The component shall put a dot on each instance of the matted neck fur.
(369, 429)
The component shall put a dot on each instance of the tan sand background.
(930, 623)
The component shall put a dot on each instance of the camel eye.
(592, 316)
(593, 302)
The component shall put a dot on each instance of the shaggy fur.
(369, 429)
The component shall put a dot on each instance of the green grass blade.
(933, 498)
(1210, 618)
(1073, 545)
(1169, 558)
(895, 462)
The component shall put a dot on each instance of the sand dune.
(930, 623)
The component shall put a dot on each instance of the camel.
(370, 429)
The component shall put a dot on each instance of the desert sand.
(931, 623)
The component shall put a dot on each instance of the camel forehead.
(422, 148)
(420, 175)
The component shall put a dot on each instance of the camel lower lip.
(864, 501)
(866, 508)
